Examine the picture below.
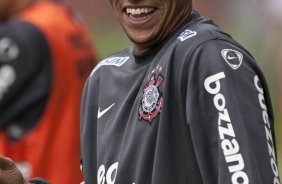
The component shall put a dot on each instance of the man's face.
(148, 22)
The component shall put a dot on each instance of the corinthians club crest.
(152, 101)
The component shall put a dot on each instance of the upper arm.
(24, 58)
(229, 111)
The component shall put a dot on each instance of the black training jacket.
(195, 110)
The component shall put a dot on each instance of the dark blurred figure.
(45, 57)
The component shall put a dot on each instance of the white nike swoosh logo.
(101, 113)
(229, 57)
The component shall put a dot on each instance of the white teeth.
(138, 11)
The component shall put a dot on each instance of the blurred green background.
(257, 25)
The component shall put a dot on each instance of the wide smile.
(137, 16)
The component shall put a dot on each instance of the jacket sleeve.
(25, 70)
(229, 111)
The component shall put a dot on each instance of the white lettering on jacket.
(268, 133)
(112, 61)
(229, 143)
(7, 78)
(108, 176)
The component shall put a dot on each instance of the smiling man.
(185, 104)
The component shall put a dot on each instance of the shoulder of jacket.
(200, 33)
(21, 32)
(116, 59)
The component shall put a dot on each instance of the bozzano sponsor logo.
(269, 137)
(229, 143)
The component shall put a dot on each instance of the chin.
(141, 39)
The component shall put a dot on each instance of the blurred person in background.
(184, 104)
(45, 56)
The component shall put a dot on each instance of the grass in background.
(108, 39)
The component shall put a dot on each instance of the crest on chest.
(152, 100)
